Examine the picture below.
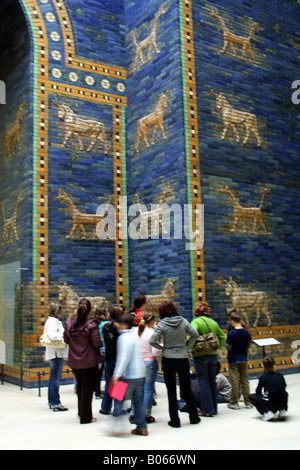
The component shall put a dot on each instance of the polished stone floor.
(26, 423)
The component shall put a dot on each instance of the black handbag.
(206, 344)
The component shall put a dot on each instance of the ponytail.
(146, 320)
(83, 311)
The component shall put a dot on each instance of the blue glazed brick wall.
(265, 261)
(257, 262)
(16, 174)
(152, 262)
(100, 29)
(16, 168)
(87, 179)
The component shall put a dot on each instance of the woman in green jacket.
(206, 364)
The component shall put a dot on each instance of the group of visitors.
(127, 347)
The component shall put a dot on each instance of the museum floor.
(26, 423)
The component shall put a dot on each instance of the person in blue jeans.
(206, 364)
(149, 356)
(130, 369)
(101, 317)
(55, 330)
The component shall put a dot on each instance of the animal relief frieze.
(12, 141)
(9, 230)
(146, 49)
(83, 129)
(70, 299)
(250, 218)
(247, 301)
(236, 44)
(166, 294)
(80, 219)
(233, 118)
(152, 121)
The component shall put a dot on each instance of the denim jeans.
(205, 367)
(56, 367)
(107, 400)
(99, 374)
(151, 373)
(135, 393)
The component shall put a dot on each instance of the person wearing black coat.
(270, 396)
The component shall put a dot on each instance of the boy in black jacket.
(271, 396)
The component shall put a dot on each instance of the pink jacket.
(148, 353)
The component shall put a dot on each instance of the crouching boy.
(271, 397)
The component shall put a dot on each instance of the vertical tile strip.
(191, 141)
(34, 156)
(40, 275)
(125, 221)
(120, 204)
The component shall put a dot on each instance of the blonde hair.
(101, 314)
(54, 310)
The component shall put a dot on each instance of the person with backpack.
(205, 363)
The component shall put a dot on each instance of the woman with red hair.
(175, 330)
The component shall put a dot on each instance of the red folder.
(118, 390)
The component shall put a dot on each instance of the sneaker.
(140, 432)
(233, 407)
(268, 416)
(104, 412)
(248, 406)
(59, 408)
(282, 414)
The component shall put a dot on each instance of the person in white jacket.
(55, 331)
(130, 369)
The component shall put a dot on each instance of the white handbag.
(46, 342)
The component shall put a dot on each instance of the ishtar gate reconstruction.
(130, 105)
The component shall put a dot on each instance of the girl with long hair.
(149, 355)
(83, 337)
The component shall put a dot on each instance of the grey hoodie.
(174, 331)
